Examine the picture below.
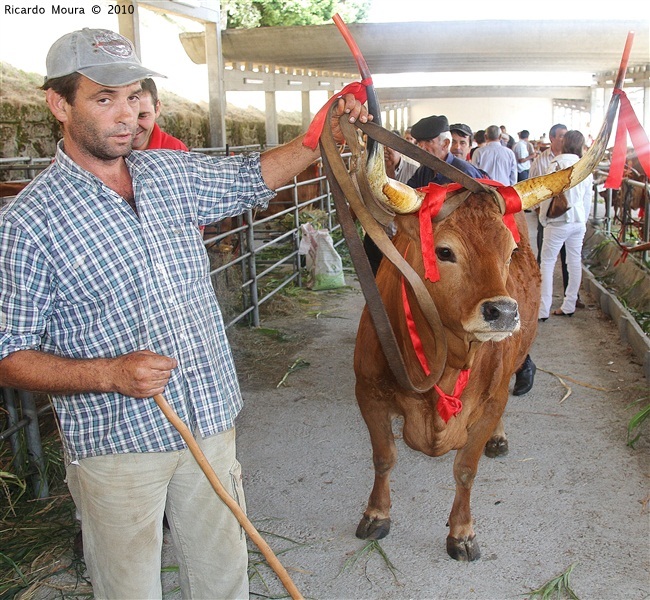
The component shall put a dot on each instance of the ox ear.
(409, 225)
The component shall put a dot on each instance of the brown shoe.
(580, 303)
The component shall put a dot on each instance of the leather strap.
(343, 187)
(392, 140)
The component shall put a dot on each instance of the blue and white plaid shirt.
(82, 276)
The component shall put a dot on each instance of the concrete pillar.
(271, 119)
(216, 85)
(129, 24)
(306, 110)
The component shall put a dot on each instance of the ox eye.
(445, 254)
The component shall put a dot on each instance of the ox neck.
(460, 351)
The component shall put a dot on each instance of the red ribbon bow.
(358, 88)
(450, 405)
(627, 123)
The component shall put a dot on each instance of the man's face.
(102, 121)
(460, 145)
(439, 147)
(556, 142)
(146, 120)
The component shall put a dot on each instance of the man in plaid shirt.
(106, 301)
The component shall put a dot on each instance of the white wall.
(534, 114)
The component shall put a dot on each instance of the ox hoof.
(496, 446)
(465, 550)
(372, 529)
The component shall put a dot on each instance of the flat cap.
(430, 127)
(461, 128)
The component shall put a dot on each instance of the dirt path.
(570, 491)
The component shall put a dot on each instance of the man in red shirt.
(148, 135)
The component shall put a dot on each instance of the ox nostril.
(491, 311)
(500, 312)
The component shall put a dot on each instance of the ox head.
(473, 251)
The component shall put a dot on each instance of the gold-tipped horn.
(396, 195)
(537, 189)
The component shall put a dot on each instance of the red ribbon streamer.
(413, 330)
(358, 88)
(627, 123)
(623, 257)
(450, 405)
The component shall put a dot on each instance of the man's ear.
(158, 107)
(58, 105)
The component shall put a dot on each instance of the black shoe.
(525, 378)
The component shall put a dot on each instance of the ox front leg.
(497, 445)
(461, 541)
(375, 523)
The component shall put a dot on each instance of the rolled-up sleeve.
(25, 291)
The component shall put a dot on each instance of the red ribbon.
(623, 257)
(627, 123)
(435, 196)
(413, 330)
(358, 88)
(450, 405)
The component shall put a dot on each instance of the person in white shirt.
(496, 160)
(568, 229)
(524, 153)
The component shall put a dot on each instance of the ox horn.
(537, 189)
(397, 196)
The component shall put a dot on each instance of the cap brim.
(118, 74)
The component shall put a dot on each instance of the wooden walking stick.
(192, 444)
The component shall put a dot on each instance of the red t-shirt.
(160, 140)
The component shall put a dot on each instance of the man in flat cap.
(461, 140)
(432, 134)
(107, 302)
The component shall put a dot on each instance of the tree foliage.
(247, 14)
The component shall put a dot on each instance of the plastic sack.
(322, 260)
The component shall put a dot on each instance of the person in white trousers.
(568, 229)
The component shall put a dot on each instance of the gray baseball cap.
(105, 57)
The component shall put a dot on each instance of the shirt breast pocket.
(183, 253)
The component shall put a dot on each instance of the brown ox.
(487, 299)
(487, 284)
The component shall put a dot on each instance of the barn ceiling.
(447, 46)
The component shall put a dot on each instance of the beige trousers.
(121, 499)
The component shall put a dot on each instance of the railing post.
(17, 448)
(252, 269)
(34, 446)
